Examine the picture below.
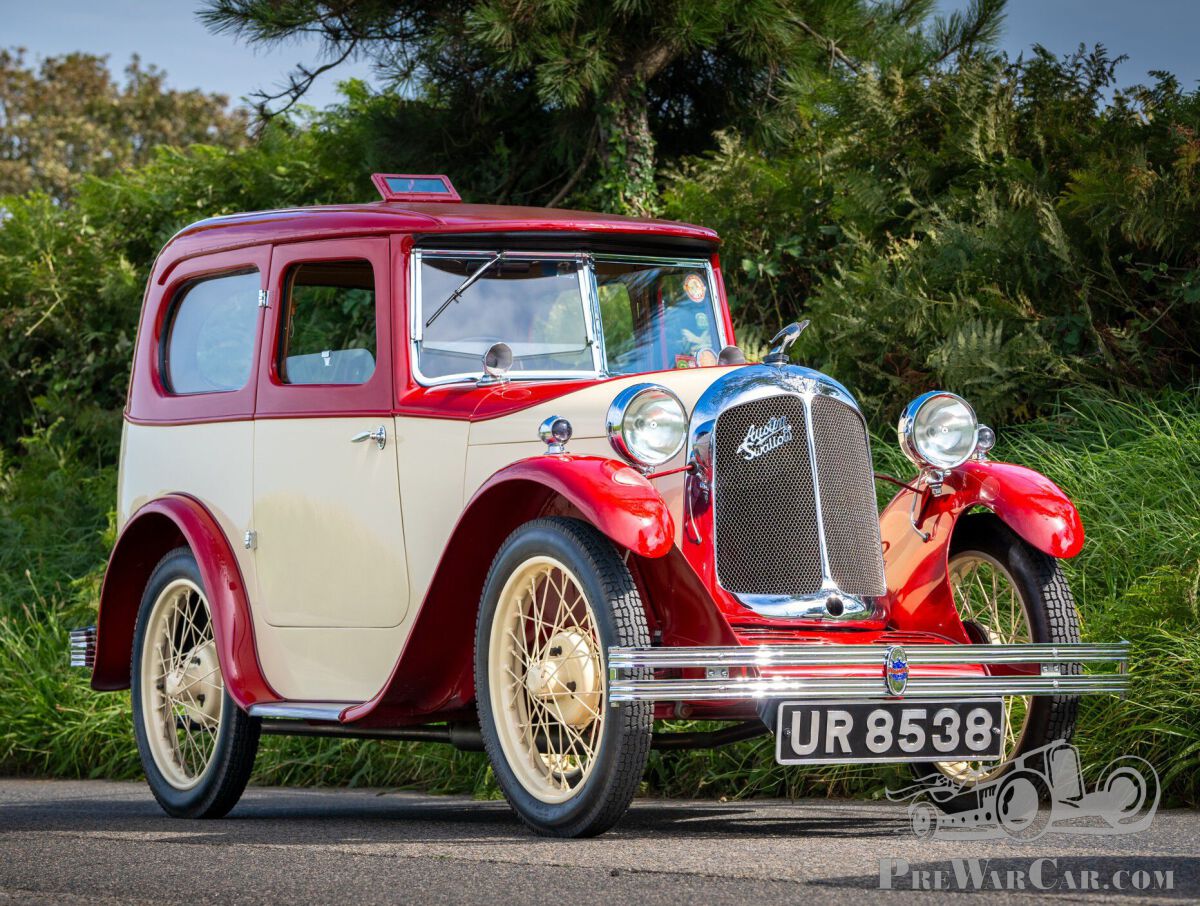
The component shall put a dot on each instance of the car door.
(329, 540)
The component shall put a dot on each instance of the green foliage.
(1133, 466)
(69, 117)
(994, 228)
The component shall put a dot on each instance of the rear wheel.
(1008, 592)
(197, 747)
(556, 598)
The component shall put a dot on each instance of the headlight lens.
(647, 424)
(938, 430)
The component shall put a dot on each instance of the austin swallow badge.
(776, 432)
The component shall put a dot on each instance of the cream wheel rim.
(546, 679)
(182, 690)
(986, 594)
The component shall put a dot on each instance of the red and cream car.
(499, 477)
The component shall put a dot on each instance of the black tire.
(1050, 609)
(616, 771)
(224, 780)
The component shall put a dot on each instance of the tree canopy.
(68, 117)
(545, 100)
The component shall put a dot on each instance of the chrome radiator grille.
(766, 509)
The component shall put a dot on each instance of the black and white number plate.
(828, 733)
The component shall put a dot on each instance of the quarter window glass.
(210, 343)
(329, 334)
(534, 305)
(656, 316)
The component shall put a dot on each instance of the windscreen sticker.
(693, 285)
(685, 361)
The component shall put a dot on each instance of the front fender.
(616, 499)
(154, 530)
(919, 595)
(434, 672)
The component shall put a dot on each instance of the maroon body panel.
(153, 531)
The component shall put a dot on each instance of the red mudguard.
(150, 533)
(919, 596)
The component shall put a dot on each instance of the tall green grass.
(1132, 466)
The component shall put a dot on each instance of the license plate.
(828, 733)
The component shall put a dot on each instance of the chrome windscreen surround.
(813, 592)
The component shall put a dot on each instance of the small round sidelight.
(938, 430)
(647, 424)
(986, 439)
(554, 433)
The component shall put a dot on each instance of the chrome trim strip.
(842, 688)
(301, 710)
(818, 655)
(82, 646)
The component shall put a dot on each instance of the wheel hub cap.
(566, 678)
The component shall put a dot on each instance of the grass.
(1132, 466)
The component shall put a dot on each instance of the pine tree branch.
(584, 163)
(834, 51)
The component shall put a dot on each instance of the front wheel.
(197, 746)
(556, 598)
(1008, 592)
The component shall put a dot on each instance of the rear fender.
(153, 531)
(919, 594)
(434, 672)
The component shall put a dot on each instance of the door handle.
(379, 435)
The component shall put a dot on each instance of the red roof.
(329, 221)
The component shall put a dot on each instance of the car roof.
(332, 221)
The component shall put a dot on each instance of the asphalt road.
(70, 842)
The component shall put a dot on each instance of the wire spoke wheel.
(991, 608)
(181, 686)
(547, 679)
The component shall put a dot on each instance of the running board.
(327, 711)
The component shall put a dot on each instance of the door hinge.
(264, 298)
(250, 540)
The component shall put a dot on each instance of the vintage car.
(499, 477)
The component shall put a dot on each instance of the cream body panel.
(499, 442)
(211, 462)
(346, 665)
(587, 408)
(330, 539)
(431, 454)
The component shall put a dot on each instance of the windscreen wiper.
(465, 285)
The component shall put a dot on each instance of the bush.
(1132, 465)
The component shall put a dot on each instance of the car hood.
(585, 407)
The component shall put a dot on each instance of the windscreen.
(535, 305)
(656, 316)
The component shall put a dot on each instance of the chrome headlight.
(647, 424)
(938, 430)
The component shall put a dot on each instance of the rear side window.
(209, 346)
(329, 334)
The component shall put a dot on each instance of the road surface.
(97, 841)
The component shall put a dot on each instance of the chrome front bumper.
(763, 664)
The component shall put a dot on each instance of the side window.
(328, 334)
(209, 345)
